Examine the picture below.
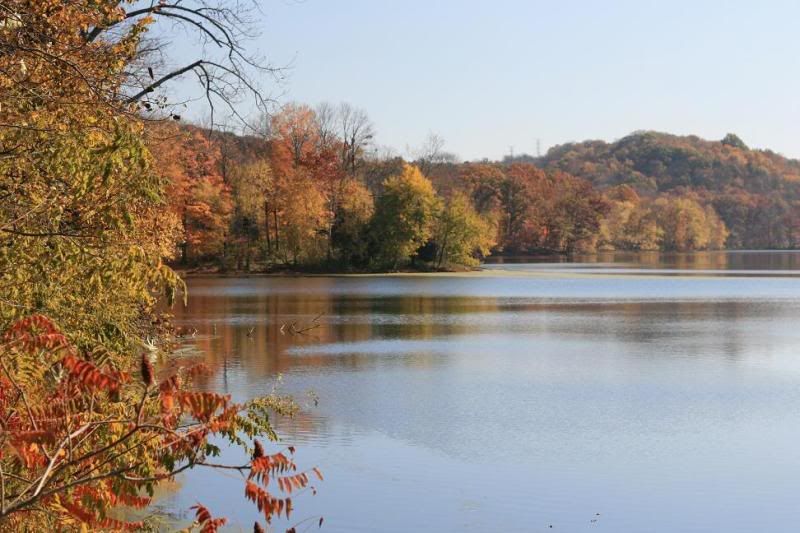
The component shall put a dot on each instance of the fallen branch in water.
(293, 329)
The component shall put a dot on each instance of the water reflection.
(741, 263)
(501, 402)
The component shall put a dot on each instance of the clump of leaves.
(80, 439)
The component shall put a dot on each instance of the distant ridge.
(655, 162)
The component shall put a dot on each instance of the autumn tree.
(219, 33)
(197, 193)
(573, 211)
(641, 231)
(687, 225)
(628, 223)
(520, 224)
(350, 232)
(80, 203)
(462, 236)
(253, 191)
(303, 225)
(295, 137)
(83, 438)
(484, 183)
(404, 217)
(89, 423)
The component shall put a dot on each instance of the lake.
(617, 393)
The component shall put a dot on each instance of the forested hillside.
(312, 192)
(754, 192)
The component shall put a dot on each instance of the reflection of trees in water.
(714, 260)
(709, 260)
(247, 334)
(700, 326)
(240, 331)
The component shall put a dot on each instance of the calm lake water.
(612, 393)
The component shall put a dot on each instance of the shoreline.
(506, 269)
(508, 273)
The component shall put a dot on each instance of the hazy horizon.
(488, 77)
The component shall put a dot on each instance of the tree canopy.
(93, 413)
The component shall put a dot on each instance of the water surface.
(663, 395)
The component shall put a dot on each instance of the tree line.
(755, 193)
(313, 191)
(310, 193)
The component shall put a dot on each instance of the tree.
(326, 124)
(574, 212)
(217, 31)
(641, 231)
(304, 222)
(462, 235)
(83, 222)
(191, 162)
(357, 133)
(80, 206)
(734, 141)
(485, 183)
(295, 136)
(81, 439)
(253, 192)
(687, 225)
(628, 223)
(520, 220)
(404, 217)
(350, 232)
(431, 153)
(611, 233)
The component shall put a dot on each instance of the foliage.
(311, 211)
(81, 439)
(462, 235)
(350, 235)
(88, 425)
(536, 209)
(253, 186)
(82, 228)
(754, 192)
(733, 140)
(302, 222)
(687, 225)
(198, 195)
(404, 217)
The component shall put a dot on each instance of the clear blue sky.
(487, 75)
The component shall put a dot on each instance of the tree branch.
(150, 88)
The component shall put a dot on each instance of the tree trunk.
(266, 227)
(277, 237)
(442, 247)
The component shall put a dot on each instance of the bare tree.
(357, 132)
(432, 152)
(383, 152)
(326, 122)
(220, 30)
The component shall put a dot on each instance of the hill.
(755, 192)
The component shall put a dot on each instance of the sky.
(491, 75)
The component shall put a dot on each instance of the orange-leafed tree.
(82, 440)
(190, 160)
